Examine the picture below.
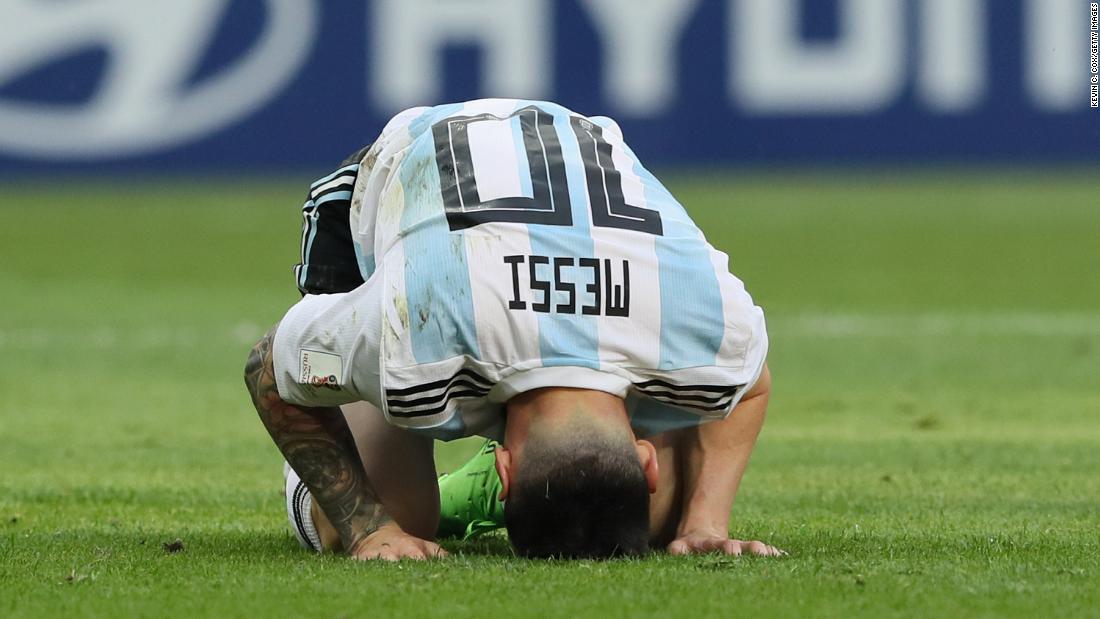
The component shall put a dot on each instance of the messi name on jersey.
(570, 285)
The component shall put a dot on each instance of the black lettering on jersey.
(564, 286)
(618, 297)
(594, 287)
(549, 204)
(540, 285)
(458, 184)
(515, 303)
(606, 289)
(605, 184)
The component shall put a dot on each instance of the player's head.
(576, 482)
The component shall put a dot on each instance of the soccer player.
(508, 269)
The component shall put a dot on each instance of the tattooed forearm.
(259, 370)
(319, 446)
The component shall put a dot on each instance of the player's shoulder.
(495, 106)
(402, 120)
(420, 119)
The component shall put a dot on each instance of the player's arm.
(318, 445)
(714, 458)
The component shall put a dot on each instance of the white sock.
(299, 504)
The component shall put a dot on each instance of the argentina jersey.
(520, 245)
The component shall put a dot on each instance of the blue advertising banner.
(91, 85)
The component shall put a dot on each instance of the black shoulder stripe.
(346, 185)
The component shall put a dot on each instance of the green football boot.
(468, 502)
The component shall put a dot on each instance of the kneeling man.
(508, 269)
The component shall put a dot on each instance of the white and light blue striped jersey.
(521, 245)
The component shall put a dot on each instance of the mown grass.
(933, 447)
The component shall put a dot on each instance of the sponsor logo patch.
(320, 369)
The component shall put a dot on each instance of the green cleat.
(468, 497)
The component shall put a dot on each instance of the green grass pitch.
(933, 446)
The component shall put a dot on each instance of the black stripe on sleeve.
(439, 384)
(667, 385)
(689, 404)
(432, 399)
(437, 409)
(703, 399)
(463, 384)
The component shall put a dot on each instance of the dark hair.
(577, 499)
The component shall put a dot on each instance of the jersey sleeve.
(326, 349)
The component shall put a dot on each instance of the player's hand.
(390, 543)
(703, 542)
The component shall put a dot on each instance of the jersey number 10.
(550, 204)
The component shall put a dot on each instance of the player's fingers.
(678, 547)
(411, 549)
(435, 551)
(372, 553)
(389, 554)
(757, 548)
(731, 547)
(384, 552)
(415, 554)
(710, 544)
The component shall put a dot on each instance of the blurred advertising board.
(164, 85)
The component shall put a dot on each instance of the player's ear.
(504, 469)
(647, 455)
